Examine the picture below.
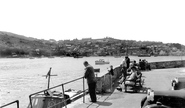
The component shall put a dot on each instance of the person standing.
(91, 81)
(127, 59)
(111, 70)
(111, 74)
(123, 68)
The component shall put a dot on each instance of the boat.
(144, 55)
(78, 56)
(52, 98)
(101, 62)
(55, 99)
(31, 58)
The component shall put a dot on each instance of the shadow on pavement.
(103, 103)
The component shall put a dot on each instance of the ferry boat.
(101, 62)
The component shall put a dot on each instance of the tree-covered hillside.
(13, 45)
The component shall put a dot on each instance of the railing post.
(64, 95)
(17, 103)
(84, 89)
(30, 102)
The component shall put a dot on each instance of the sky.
(140, 20)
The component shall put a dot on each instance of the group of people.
(130, 71)
(144, 65)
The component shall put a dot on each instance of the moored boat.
(144, 55)
(101, 61)
(78, 56)
(52, 97)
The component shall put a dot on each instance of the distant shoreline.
(88, 56)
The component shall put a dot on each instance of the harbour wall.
(167, 64)
(105, 82)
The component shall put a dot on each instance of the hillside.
(13, 43)
(22, 46)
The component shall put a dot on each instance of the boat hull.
(47, 102)
(99, 63)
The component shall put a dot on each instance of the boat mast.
(49, 75)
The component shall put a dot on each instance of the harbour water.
(20, 77)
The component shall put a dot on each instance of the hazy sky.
(152, 20)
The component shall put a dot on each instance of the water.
(21, 77)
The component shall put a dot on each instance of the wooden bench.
(133, 83)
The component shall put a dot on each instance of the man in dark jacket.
(91, 81)
(127, 60)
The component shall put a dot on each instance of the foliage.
(12, 45)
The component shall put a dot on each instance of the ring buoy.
(46, 93)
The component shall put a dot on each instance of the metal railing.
(17, 102)
(63, 92)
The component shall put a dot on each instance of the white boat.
(101, 61)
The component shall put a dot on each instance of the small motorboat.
(101, 62)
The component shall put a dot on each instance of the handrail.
(73, 80)
(65, 100)
(17, 101)
(57, 86)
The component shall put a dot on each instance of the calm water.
(21, 77)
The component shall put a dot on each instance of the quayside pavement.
(158, 79)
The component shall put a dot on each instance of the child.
(111, 71)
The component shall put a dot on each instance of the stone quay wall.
(105, 82)
(167, 64)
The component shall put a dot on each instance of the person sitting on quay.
(136, 64)
(133, 68)
(144, 65)
(132, 74)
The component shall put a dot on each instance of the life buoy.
(48, 93)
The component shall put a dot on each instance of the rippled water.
(21, 77)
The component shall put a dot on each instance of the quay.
(157, 79)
